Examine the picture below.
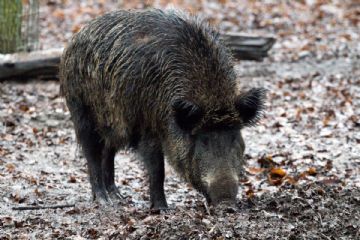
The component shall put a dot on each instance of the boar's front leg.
(153, 159)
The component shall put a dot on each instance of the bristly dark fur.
(187, 114)
(124, 58)
(148, 80)
(251, 106)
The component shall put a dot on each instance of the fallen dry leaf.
(255, 170)
(312, 171)
(277, 172)
(10, 167)
(276, 176)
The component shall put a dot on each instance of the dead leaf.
(278, 172)
(35, 130)
(76, 28)
(18, 224)
(266, 162)
(32, 180)
(10, 167)
(18, 197)
(59, 14)
(254, 170)
(250, 193)
(73, 211)
(24, 107)
(93, 233)
(38, 192)
(290, 180)
(330, 114)
(329, 165)
(312, 171)
(9, 123)
(276, 176)
(72, 179)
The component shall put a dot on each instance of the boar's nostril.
(223, 190)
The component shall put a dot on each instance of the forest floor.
(302, 179)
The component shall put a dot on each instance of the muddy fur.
(161, 83)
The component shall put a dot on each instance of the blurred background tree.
(19, 25)
(10, 25)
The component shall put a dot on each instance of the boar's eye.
(250, 105)
(187, 114)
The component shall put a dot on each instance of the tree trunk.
(10, 25)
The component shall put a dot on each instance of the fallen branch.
(37, 64)
(44, 64)
(248, 47)
(43, 207)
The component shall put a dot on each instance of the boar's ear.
(187, 113)
(250, 106)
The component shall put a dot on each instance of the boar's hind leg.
(92, 147)
(109, 172)
(153, 159)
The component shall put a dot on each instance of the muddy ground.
(319, 198)
(302, 179)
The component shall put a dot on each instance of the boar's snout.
(222, 189)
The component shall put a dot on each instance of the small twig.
(207, 208)
(321, 222)
(212, 229)
(43, 207)
(324, 235)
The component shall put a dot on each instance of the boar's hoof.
(114, 193)
(102, 197)
(227, 206)
(162, 210)
(159, 205)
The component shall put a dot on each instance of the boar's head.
(206, 147)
